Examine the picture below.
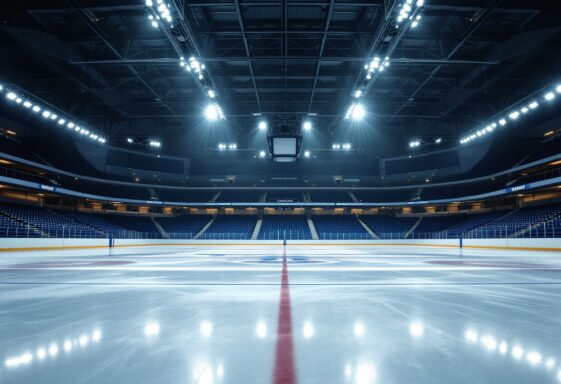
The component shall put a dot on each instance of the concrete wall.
(39, 244)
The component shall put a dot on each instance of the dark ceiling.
(103, 62)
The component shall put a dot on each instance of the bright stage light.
(358, 112)
(213, 112)
(262, 125)
(307, 125)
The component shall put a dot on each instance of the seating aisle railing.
(540, 230)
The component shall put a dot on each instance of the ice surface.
(209, 314)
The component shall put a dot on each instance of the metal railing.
(540, 230)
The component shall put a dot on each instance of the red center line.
(285, 372)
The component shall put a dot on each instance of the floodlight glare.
(307, 125)
(27, 104)
(130, 140)
(358, 112)
(262, 125)
(557, 89)
(214, 112)
(514, 115)
(221, 146)
(306, 153)
(262, 154)
(358, 93)
(549, 96)
(211, 94)
(533, 105)
(36, 108)
(502, 122)
(438, 140)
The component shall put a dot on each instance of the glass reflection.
(416, 329)
(362, 373)
(42, 353)
(359, 329)
(152, 329)
(308, 330)
(532, 357)
(261, 330)
(206, 328)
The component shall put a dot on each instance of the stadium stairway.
(353, 197)
(159, 228)
(257, 228)
(313, 230)
(366, 228)
(207, 226)
(412, 229)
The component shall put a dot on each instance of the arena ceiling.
(283, 61)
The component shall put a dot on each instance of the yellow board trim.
(23, 249)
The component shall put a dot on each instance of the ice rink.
(263, 314)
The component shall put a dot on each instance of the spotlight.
(61, 122)
(214, 112)
(358, 112)
(502, 122)
(262, 154)
(27, 104)
(358, 93)
(307, 125)
(336, 146)
(262, 125)
(549, 96)
(46, 114)
(307, 154)
(11, 96)
(438, 140)
(221, 146)
(130, 140)
(414, 144)
(557, 89)
(211, 94)
(514, 115)
(533, 105)
(154, 143)
(346, 147)
(232, 146)
(36, 108)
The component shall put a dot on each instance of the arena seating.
(339, 227)
(34, 221)
(284, 196)
(330, 196)
(97, 221)
(284, 227)
(376, 196)
(231, 196)
(184, 226)
(388, 226)
(473, 221)
(519, 221)
(438, 223)
(46, 222)
(231, 227)
(185, 195)
(141, 224)
(12, 228)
